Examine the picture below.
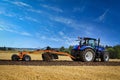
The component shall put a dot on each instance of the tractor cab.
(88, 42)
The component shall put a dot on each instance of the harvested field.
(15, 72)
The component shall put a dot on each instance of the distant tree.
(4, 48)
(114, 51)
(70, 48)
(48, 48)
(10, 48)
(117, 50)
(62, 49)
(106, 46)
(67, 50)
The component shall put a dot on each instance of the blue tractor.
(89, 50)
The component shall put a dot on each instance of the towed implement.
(47, 55)
(88, 50)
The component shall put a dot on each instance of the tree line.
(6, 48)
(114, 51)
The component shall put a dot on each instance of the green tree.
(112, 53)
(70, 48)
(67, 50)
(117, 50)
(62, 49)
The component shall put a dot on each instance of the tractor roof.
(87, 38)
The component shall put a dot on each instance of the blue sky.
(56, 23)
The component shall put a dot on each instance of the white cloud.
(67, 40)
(13, 29)
(5, 28)
(61, 33)
(67, 21)
(78, 9)
(70, 41)
(43, 37)
(30, 18)
(55, 39)
(1, 29)
(34, 10)
(25, 33)
(21, 4)
(85, 28)
(101, 18)
(4, 12)
(52, 8)
(62, 20)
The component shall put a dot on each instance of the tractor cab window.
(92, 43)
(84, 42)
(89, 42)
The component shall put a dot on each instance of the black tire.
(105, 57)
(54, 56)
(26, 58)
(47, 57)
(87, 55)
(15, 57)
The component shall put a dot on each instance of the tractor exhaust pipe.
(98, 42)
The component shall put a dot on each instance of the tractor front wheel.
(88, 55)
(105, 57)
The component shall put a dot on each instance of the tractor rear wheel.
(46, 57)
(15, 57)
(88, 55)
(105, 57)
(26, 58)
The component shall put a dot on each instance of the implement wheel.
(47, 57)
(26, 58)
(15, 57)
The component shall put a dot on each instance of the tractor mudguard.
(85, 47)
(100, 48)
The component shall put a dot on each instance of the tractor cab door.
(92, 43)
(88, 42)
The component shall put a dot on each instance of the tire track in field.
(58, 63)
